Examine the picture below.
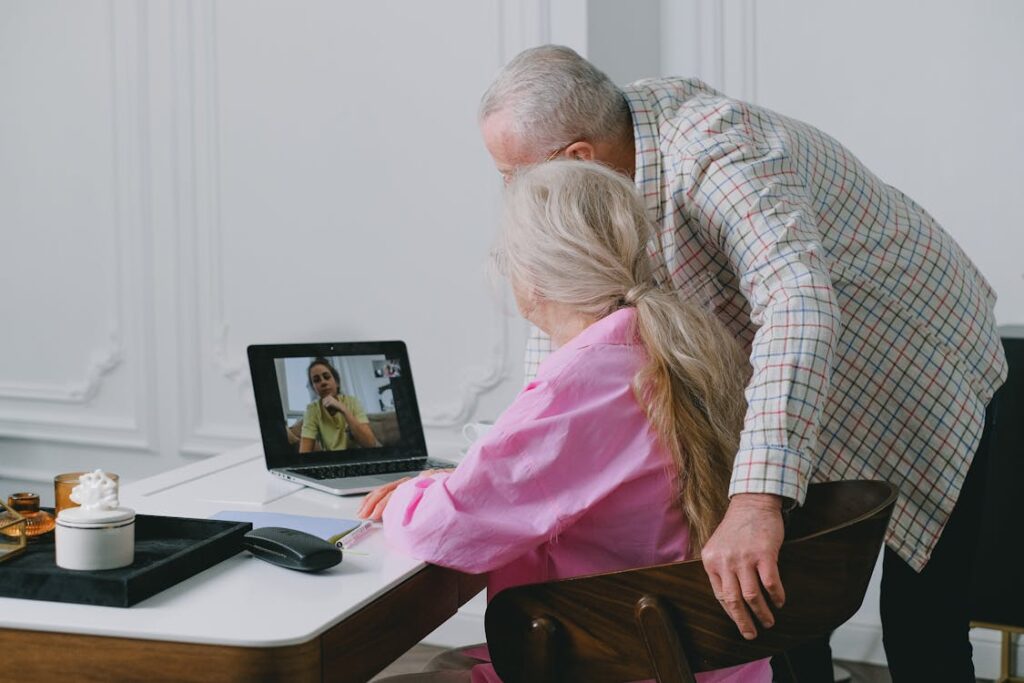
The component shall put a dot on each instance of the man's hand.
(743, 555)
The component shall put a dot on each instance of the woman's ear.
(526, 301)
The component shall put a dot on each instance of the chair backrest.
(664, 621)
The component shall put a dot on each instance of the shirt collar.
(615, 328)
(647, 143)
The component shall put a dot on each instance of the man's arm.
(749, 200)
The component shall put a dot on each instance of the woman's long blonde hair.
(576, 233)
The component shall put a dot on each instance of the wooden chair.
(664, 622)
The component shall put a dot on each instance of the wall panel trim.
(129, 163)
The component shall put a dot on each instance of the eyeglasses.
(507, 176)
(558, 152)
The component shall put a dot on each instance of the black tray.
(167, 550)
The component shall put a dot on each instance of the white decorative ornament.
(95, 491)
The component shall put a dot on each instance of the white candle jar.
(95, 539)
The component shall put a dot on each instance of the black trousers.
(926, 615)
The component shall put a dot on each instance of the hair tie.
(635, 293)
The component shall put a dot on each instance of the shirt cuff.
(774, 470)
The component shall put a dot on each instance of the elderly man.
(871, 334)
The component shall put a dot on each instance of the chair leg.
(662, 641)
(788, 666)
(541, 648)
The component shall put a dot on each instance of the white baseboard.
(858, 643)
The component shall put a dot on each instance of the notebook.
(340, 417)
(326, 528)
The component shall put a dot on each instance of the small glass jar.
(37, 522)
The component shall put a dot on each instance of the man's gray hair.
(554, 97)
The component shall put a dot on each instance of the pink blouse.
(571, 480)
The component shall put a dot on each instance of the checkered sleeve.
(538, 346)
(747, 199)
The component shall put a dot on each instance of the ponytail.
(577, 233)
(692, 389)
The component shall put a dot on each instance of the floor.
(415, 659)
(412, 661)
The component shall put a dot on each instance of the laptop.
(339, 417)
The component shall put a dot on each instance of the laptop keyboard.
(360, 469)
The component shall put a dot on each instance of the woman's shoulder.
(594, 364)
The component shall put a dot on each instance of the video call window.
(336, 403)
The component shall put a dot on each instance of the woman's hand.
(377, 499)
(333, 406)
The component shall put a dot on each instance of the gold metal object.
(1006, 658)
(12, 532)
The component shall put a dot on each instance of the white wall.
(928, 95)
(181, 179)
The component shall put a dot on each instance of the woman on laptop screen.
(618, 453)
(333, 420)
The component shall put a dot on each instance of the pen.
(350, 538)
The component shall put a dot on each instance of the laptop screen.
(329, 403)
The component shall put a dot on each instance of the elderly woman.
(618, 454)
(333, 420)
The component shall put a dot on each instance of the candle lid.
(102, 517)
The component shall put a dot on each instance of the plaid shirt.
(871, 334)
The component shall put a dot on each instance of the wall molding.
(725, 51)
(102, 363)
(208, 328)
(522, 25)
(480, 381)
(129, 164)
(108, 356)
(201, 274)
(122, 434)
(709, 35)
(738, 38)
(29, 474)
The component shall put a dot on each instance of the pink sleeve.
(490, 510)
(473, 519)
(545, 462)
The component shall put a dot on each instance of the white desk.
(243, 619)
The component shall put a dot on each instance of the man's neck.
(620, 155)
